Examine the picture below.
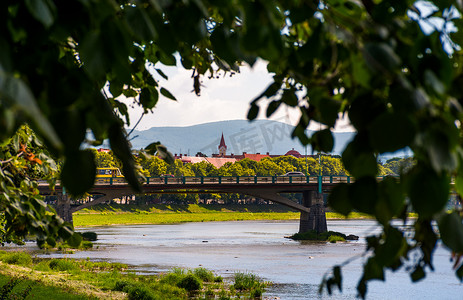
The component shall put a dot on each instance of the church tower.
(222, 147)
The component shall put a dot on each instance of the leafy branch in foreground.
(375, 62)
(23, 211)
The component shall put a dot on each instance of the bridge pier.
(316, 218)
(63, 208)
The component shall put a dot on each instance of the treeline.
(152, 166)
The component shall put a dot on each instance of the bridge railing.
(231, 180)
(191, 180)
(329, 179)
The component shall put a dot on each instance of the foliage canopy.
(379, 62)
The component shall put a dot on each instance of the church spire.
(222, 147)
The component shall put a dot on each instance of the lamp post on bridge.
(319, 174)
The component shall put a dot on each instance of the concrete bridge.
(265, 187)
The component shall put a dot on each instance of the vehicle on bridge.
(294, 173)
(108, 173)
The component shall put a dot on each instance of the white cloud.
(224, 98)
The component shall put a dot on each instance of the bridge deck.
(220, 183)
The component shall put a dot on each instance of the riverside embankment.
(102, 215)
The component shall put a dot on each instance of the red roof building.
(293, 153)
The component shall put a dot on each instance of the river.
(260, 247)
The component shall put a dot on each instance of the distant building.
(222, 147)
(294, 153)
(222, 158)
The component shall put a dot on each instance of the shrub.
(63, 265)
(204, 274)
(16, 258)
(256, 293)
(5, 290)
(246, 281)
(171, 278)
(121, 286)
(86, 245)
(190, 283)
(224, 295)
(140, 292)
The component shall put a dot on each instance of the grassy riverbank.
(164, 214)
(25, 277)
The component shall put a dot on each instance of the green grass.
(29, 289)
(336, 238)
(249, 284)
(83, 279)
(101, 215)
(16, 258)
(166, 218)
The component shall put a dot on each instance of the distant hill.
(259, 136)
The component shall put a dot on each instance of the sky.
(224, 98)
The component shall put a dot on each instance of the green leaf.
(337, 277)
(390, 132)
(440, 140)
(418, 274)
(225, 44)
(299, 132)
(121, 149)
(459, 273)
(158, 149)
(167, 59)
(270, 91)
(116, 88)
(391, 200)
(404, 98)
(272, 107)
(373, 270)
(19, 94)
(139, 22)
(289, 98)
(75, 240)
(160, 72)
(51, 241)
(323, 141)
(42, 10)
(459, 184)
(427, 190)
(451, 231)
(434, 82)
(78, 173)
(167, 94)
(362, 288)
(149, 98)
(130, 93)
(363, 194)
(339, 199)
(65, 231)
(358, 162)
(394, 246)
(93, 55)
(253, 112)
(381, 58)
(359, 70)
(364, 110)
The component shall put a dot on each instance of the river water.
(260, 247)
